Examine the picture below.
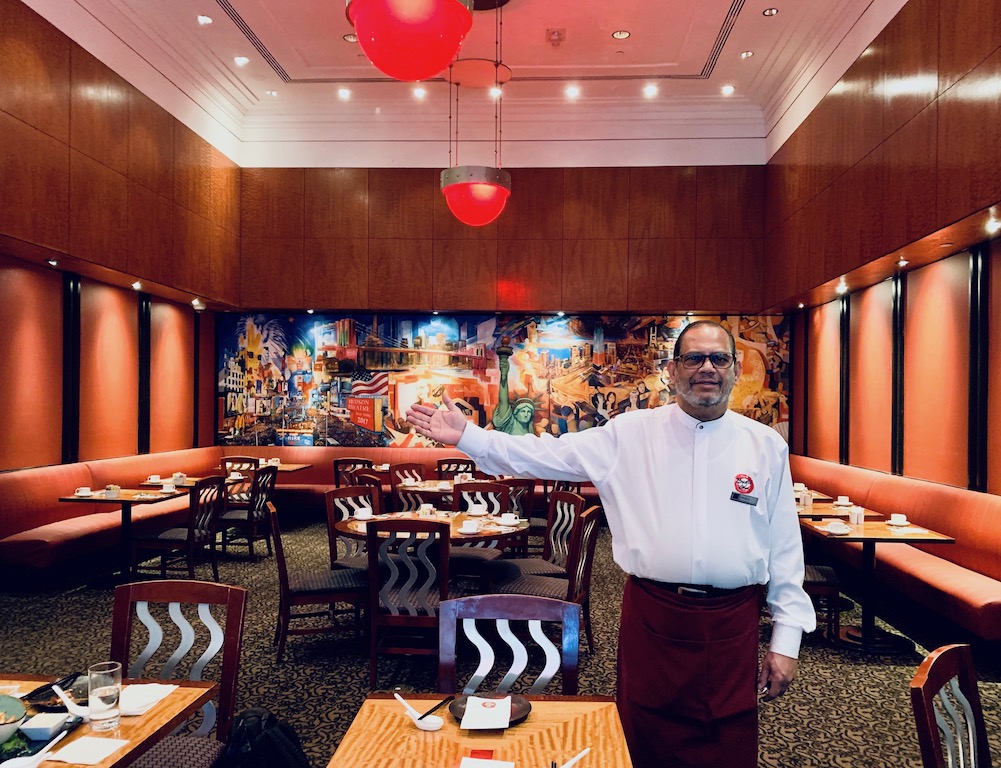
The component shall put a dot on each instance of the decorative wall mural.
(348, 379)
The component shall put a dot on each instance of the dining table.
(557, 728)
(490, 528)
(140, 732)
(868, 637)
(822, 511)
(126, 499)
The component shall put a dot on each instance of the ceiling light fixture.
(902, 262)
(800, 305)
(650, 90)
(204, 20)
(350, 37)
(241, 61)
(496, 92)
(746, 54)
(621, 34)
(410, 40)
(419, 92)
(769, 11)
(271, 93)
(476, 194)
(561, 313)
(198, 304)
(993, 226)
(53, 263)
(572, 91)
(841, 288)
(727, 90)
(309, 311)
(137, 286)
(343, 94)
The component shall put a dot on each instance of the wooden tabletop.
(141, 732)
(490, 529)
(283, 467)
(881, 530)
(382, 735)
(822, 510)
(438, 486)
(130, 495)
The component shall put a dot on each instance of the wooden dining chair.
(538, 525)
(449, 468)
(182, 612)
(506, 617)
(407, 582)
(947, 711)
(249, 524)
(348, 464)
(821, 583)
(342, 504)
(576, 588)
(469, 559)
(195, 540)
(406, 501)
(238, 493)
(313, 587)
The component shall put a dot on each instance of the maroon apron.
(687, 674)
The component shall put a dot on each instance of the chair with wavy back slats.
(447, 469)
(345, 465)
(250, 524)
(501, 611)
(406, 501)
(342, 504)
(189, 611)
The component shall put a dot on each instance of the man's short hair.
(696, 323)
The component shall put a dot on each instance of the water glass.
(104, 686)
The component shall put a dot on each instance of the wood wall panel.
(661, 275)
(224, 265)
(862, 209)
(969, 32)
(34, 70)
(190, 269)
(192, 171)
(336, 273)
(272, 270)
(225, 195)
(936, 371)
(36, 167)
(31, 315)
(150, 237)
(172, 376)
(593, 204)
(465, 275)
(828, 230)
(98, 212)
(535, 209)
(910, 63)
(741, 261)
(662, 203)
(595, 275)
(824, 397)
(994, 381)
(151, 145)
(99, 111)
(401, 203)
(109, 371)
(730, 201)
(336, 203)
(910, 180)
(272, 202)
(529, 275)
(969, 142)
(870, 387)
(861, 98)
(400, 274)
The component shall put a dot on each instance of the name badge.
(744, 498)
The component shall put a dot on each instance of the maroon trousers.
(687, 673)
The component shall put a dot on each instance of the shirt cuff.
(473, 442)
(786, 639)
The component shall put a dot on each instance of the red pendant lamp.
(410, 39)
(476, 194)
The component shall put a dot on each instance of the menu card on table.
(486, 713)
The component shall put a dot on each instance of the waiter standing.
(700, 504)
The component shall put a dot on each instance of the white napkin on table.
(141, 698)
(480, 762)
(88, 750)
(486, 713)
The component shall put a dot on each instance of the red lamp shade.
(476, 195)
(410, 39)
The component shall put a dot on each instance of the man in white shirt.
(700, 505)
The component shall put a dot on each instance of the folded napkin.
(480, 762)
(88, 750)
(140, 699)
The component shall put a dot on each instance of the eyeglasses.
(695, 360)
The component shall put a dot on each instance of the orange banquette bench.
(960, 581)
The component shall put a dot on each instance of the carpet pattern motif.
(844, 709)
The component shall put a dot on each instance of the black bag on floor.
(258, 739)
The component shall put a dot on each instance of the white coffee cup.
(234, 475)
(469, 526)
(262, 462)
(476, 509)
(898, 518)
(363, 513)
(83, 490)
(843, 500)
(409, 481)
(169, 488)
(112, 493)
(275, 462)
(799, 486)
(153, 479)
(509, 518)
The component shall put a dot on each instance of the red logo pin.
(743, 483)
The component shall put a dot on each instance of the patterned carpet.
(845, 709)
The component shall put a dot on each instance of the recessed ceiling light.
(561, 313)
(746, 54)
(197, 303)
(271, 93)
(419, 92)
(53, 263)
(769, 11)
(344, 94)
(496, 92)
(993, 226)
(350, 37)
(572, 91)
(727, 90)
(434, 311)
(204, 20)
(842, 287)
(650, 90)
(241, 61)
(801, 305)
(137, 285)
(902, 262)
(621, 34)
(309, 311)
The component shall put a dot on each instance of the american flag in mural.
(369, 383)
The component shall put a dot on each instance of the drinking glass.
(104, 686)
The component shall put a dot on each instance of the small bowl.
(44, 726)
(12, 713)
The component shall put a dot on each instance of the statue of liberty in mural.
(514, 418)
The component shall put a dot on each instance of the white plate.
(83, 495)
(901, 525)
(843, 504)
(471, 513)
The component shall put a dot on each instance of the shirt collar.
(691, 423)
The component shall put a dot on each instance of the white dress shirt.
(665, 480)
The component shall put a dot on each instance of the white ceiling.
(689, 48)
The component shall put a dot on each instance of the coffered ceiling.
(288, 106)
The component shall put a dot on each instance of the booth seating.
(961, 581)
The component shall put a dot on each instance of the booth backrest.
(129, 470)
(833, 479)
(29, 497)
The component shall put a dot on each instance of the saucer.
(469, 533)
(899, 525)
(843, 503)
(84, 495)
(471, 513)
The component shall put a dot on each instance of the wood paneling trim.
(401, 203)
(272, 202)
(99, 111)
(465, 275)
(400, 274)
(336, 203)
(272, 272)
(595, 275)
(336, 273)
(661, 275)
(98, 213)
(662, 203)
(535, 209)
(529, 275)
(151, 145)
(730, 201)
(192, 171)
(595, 204)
